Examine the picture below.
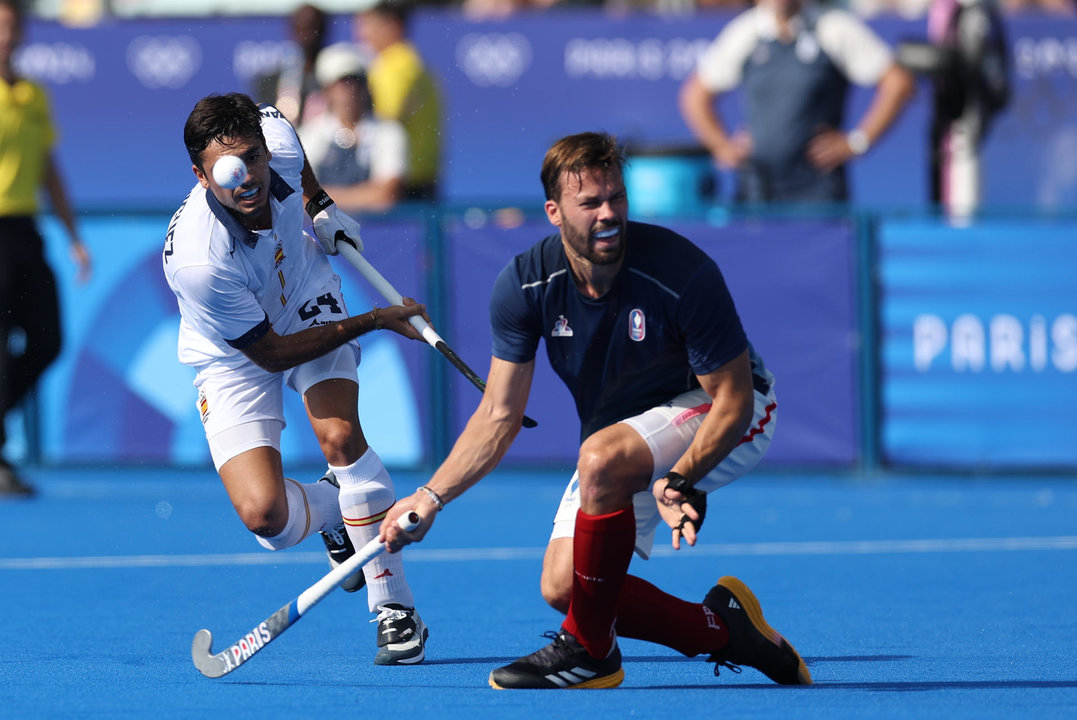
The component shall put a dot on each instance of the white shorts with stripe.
(243, 407)
(668, 430)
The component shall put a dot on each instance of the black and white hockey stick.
(375, 278)
(215, 665)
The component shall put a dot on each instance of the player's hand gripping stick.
(215, 665)
(375, 278)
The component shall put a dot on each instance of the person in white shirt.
(260, 308)
(361, 160)
(793, 61)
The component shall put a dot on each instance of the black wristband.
(319, 202)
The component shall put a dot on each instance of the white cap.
(337, 61)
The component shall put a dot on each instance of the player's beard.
(585, 244)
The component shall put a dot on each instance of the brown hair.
(218, 118)
(576, 153)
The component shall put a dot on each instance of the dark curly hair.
(221, 118)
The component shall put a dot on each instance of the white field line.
(419, 554)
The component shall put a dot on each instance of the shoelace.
(388, 613)
(719, 663)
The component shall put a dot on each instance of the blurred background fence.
(899, 339)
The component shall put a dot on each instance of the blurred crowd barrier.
(896, 341)
(122, 89)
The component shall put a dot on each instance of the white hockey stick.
(215, 665)
(375, 278)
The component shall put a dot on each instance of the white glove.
(332, 226)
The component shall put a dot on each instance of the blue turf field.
(909, 597)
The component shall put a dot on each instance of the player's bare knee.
(341, 443)
(262, 518)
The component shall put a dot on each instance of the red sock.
(646, 613)
(601, 548)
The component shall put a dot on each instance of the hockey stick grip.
(314, 594)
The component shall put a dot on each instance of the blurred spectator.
(971, 85)
(293, 87)
(28, 298)
(360, 160)
(486, 9)
(1052, 7)
(403, 90)
(794, 61)
(902, 8)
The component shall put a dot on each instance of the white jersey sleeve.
(282, 141)
(217, 303)
(721, 66)
(861, 55)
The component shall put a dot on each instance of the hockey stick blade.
(215, 665)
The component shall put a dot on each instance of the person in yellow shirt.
(403, 90)
(28, 298)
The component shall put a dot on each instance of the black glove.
(696, 498)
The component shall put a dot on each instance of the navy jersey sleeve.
(514, 323)
(713, 331)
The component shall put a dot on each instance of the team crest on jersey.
(278, 256)
(637, 325)
(561, 328)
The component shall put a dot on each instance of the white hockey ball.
(229, 171)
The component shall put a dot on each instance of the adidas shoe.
(338, 546)
(564, 663)
(401, 636)
(751, 641)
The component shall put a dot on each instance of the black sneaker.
(402, 636)
(564, 663)
(10, 484)
(751, 641)
(338, 546)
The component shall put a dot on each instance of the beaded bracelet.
(434, 497)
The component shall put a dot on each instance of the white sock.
(366, 493)
(311, 507)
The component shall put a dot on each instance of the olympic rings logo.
(164, 62)
(493, 58)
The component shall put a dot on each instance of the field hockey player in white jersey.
(261, 308)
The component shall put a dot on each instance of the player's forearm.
(732, 407)
(485, 440)
(277, 353)
(721, 432)
(308, 181)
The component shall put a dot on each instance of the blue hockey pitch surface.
(908, 596)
